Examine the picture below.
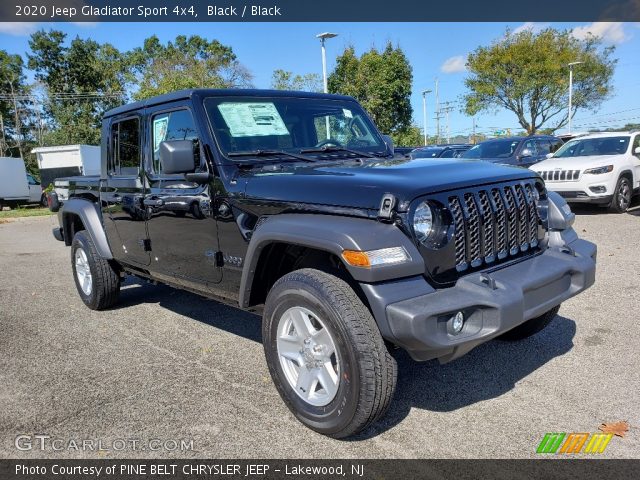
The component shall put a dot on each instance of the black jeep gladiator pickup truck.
(294, 204)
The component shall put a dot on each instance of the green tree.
(81, 80)
(187, 62)
(14, 105)
(285, 80)
(381, 82)
(527, 73)
(408, 137)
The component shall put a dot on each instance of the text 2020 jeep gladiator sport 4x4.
(296, 202)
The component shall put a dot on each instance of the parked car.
(602, 168)
(517, 151)
(440, 151)
(343, 246)
(17, 187)
(403, 150)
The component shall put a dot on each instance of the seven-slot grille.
(494, 223)
(560, 175)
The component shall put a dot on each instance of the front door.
(123, 191)
(180, 224)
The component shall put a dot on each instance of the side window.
(31, 180)
(543, 146)
(124, 158)
(531, 145)
(555, 145)
(176, 125)
(636, 144)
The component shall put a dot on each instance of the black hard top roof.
(211, 92)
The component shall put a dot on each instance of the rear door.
(182, 230)
(122, 192)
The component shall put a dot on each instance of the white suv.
(600, 168)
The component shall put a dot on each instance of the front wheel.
(325, 353)
(621, 196)
(97, 281)
(530, 327)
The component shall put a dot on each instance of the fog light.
(598, 189)
(457, 322)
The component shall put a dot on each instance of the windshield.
(588, 147)
(492, 149)
(290, 124)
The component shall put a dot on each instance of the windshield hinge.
(387, 205)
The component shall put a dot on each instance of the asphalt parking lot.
(171, 366)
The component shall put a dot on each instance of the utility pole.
(571, 65)
(424, 114)
(447, 109)
(437, 113)
(474, 131)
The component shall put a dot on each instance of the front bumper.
(493, 302)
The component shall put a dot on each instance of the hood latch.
(387, 205)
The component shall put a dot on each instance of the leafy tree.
(188, 62)
(408, 137)
(381, 82)
(527, 73)
(81, 80)
(284, 80)
(14, 104)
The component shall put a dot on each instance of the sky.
(435, 50)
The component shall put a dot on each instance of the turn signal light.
(373, 258)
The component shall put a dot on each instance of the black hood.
(357, 185)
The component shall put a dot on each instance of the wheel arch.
(318, 238)
(79, 214)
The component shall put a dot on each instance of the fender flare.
(332, 234)
(91, 219)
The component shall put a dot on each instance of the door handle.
(153, 202)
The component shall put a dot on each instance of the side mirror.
(177, 156)
(549, 155)
(636, 150)
(526, 152)
(388, 141)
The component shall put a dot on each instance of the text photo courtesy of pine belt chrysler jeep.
(294, 204)
(601, 168)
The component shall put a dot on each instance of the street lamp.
(571, 65)
(323, 37)
(424, 114)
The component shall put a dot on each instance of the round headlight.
(423, 222)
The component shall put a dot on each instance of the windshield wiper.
(270, 153)
(328, 149)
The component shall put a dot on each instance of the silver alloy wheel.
(624, 196)
(308, 356)
(83, 272)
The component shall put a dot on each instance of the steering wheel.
(328, 141)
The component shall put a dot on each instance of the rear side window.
(166, 126)
(124, 156)
(544, 146)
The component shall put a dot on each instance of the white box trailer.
(67, 161)
(16, 186)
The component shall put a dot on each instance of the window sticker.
(252, 119)
(347, 113)
(159, 131)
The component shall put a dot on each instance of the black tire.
(621, 196)
(105, 280)
(530, 327)
(44, 201)
(366, 378)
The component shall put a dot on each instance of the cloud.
(533, 26)
(454, 64)
(18, 29)
(610, 32)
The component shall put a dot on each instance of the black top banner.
(318, 10)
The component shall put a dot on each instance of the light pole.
(323, 37)
(571, 90)
(424, 113)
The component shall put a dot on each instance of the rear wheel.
(530, 327)
(97, 281)
(621, 196)
(43, 200)
(325, 353)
